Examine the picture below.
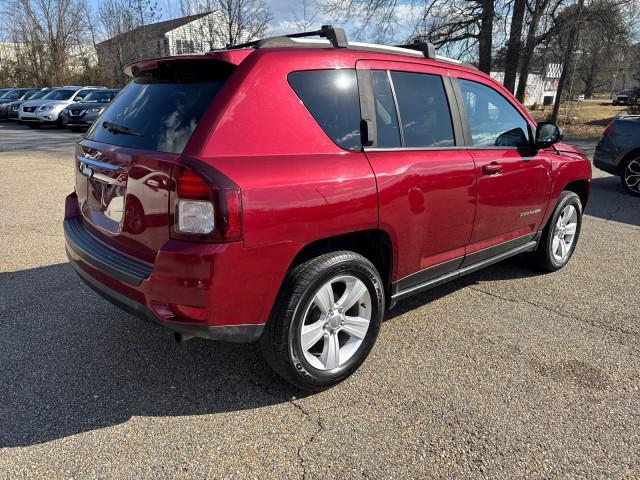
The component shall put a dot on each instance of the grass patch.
(583, 119)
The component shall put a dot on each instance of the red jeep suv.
(289, 190)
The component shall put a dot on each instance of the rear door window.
(386, 115)
(494, 122)
(331, 96)
(423, 110)
(159, 110)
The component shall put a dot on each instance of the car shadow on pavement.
(610, 201)
(71, 362)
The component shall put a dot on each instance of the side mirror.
(547, 134)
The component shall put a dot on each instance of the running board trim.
(527, 247)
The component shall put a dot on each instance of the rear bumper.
(605, 158)
(230, 333)
(181, 275)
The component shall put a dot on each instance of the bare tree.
(542, 20)
(122, 23)
(469, 24)
(304, 16)
(605, 35)
(374, 19)
(573, 32)
(47, 37)
(514, 45)
(232, 21)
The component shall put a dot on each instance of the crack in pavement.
(308, 415)
(595, 325)
(309, 441)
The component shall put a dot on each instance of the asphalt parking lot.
(504, 374)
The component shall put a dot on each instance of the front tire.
(631, 176)
(325, 320)
(560, 236)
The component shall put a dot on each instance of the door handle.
(492, 168)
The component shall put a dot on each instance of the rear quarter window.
(331, 96)
(160, 110)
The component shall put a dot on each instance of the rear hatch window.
(160, 109)
(123, 167)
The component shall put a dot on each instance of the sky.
(283, 15)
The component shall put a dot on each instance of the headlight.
(95, 110)
(45, 108)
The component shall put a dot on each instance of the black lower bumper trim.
(227, 333)
(103, 257)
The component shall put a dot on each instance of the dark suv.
(618, 151)
(289, 191)
(79, 116)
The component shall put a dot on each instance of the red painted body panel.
(298, 187)
(427, 205)
(144, 226)
(511, 203)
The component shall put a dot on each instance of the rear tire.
(325, 320)
(630, 176)
(560, 236)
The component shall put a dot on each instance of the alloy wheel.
(335, 322)
(564, 233)
(632, 176)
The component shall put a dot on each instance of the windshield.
(82, 94)
(12, 95)
(39, 94)
(99, 97)
(160, 110)
(59, 94)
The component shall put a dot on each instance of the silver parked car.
(618, 151)
(46, 111)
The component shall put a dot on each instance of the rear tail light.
(206, 204)
(195, 216)
(607, 130)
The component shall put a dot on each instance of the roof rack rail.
(427, 49)
(336, 36)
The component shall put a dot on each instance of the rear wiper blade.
(115, 129)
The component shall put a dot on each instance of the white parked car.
(46, 110)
